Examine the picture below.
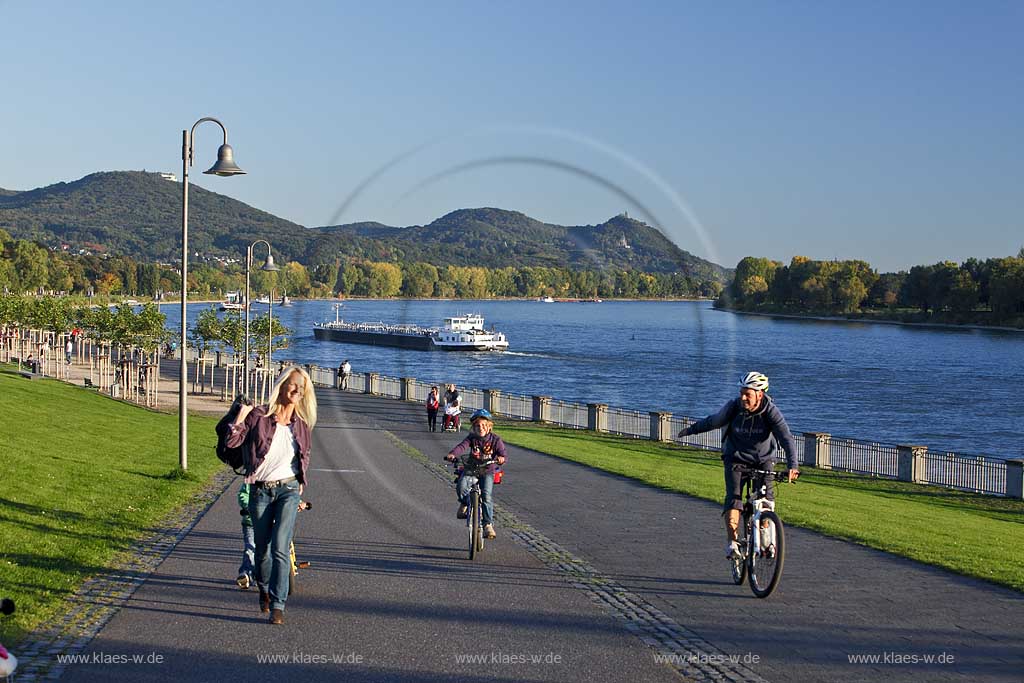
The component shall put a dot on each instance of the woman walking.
(433, 403)
(277, 439)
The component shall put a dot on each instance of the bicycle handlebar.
(470, 463)
(776, 476)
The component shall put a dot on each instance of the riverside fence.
(912, 463)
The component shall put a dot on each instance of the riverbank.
(863, 320)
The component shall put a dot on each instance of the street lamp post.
(268, 266)
(270, 334)
(225, 166)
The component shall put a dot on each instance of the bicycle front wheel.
(765, 565)
(474, 524)
(738, 565)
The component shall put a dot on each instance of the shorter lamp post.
(270, 267)
(270, 333)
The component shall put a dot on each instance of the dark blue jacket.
(749, 435)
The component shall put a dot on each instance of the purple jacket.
(490, 446)
(257, 433)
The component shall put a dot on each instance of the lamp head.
(225, 163)
(269, 265)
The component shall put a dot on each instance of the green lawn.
(970, 534)
(83, 476)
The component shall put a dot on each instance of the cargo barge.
(459, 333)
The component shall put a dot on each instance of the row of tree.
(127, 328)
(990, 291)
(28, 267)
(419, 279)
(121, 326)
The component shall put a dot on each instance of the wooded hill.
(138, 214)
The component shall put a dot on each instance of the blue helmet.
(482, 414)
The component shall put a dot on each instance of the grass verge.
(970, 534)
(83, 477)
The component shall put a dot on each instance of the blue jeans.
(273, 522)
(248, 566)
(486, 490)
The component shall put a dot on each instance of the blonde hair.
(306, 407)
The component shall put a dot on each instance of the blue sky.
(890, 132)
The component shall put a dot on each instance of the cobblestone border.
(99, 598)
(683, 650)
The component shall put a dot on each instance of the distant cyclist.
(481, 444)
(751, 422)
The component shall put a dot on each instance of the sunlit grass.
(83, 477)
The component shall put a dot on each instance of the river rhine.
(948, 389)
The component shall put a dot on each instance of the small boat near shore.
(459, 333)
(233, 301)
(265, 301)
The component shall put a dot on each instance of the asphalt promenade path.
(390, 595)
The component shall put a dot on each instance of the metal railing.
(976, 473)
(863, 457)
(632, 423)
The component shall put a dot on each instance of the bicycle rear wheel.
(474, 524)
(766, 564)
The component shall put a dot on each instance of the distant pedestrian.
(452, 408)
(69, 349)
(433, 404)
(344, 372)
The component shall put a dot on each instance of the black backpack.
(232, 457)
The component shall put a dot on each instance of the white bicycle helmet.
(754, 380)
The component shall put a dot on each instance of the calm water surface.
(948, 389)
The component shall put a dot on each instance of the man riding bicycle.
(755, 428)
(481, 444)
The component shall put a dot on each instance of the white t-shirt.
(278, 463)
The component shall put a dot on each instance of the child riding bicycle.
(481, 444)
(755, 428)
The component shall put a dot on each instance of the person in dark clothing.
(755, 428)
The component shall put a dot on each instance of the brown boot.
(276, 616)
(264, 602)
(462, 512)
(489, 531)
